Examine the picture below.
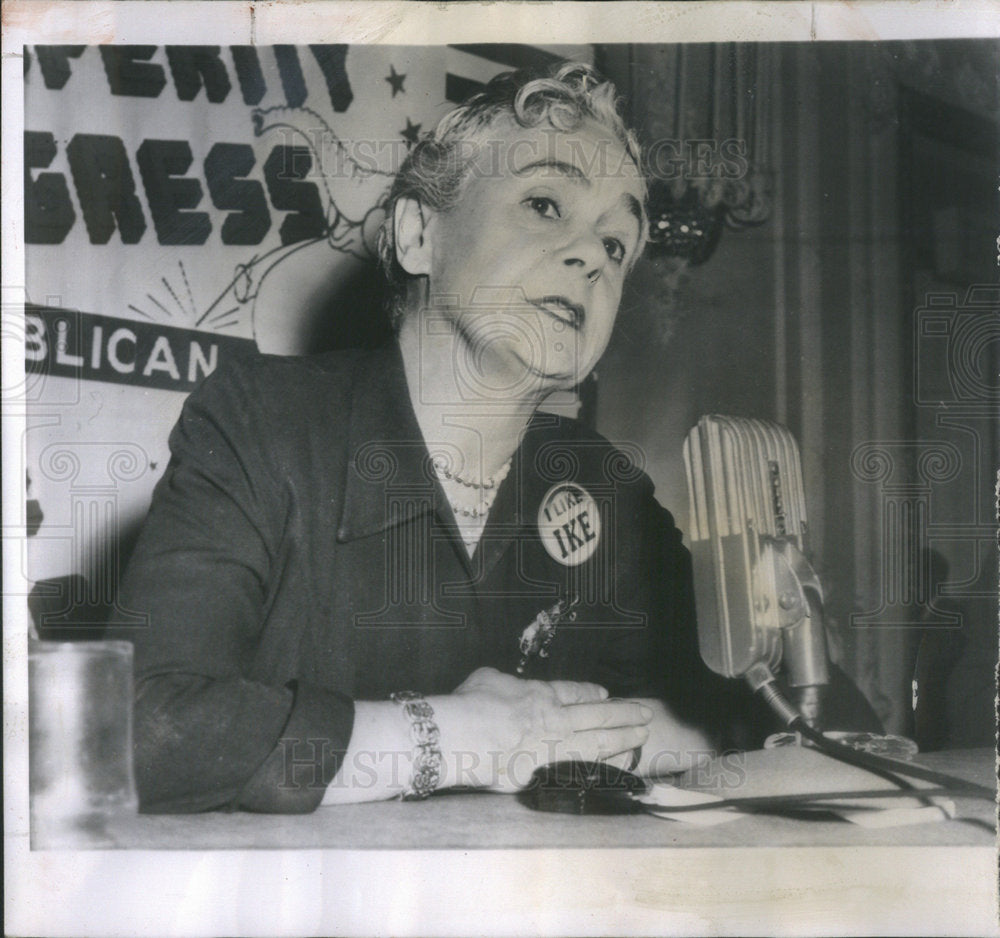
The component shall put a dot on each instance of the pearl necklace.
(485, 485)
(488, 487)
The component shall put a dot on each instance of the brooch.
(537, 637)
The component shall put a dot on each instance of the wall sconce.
(713, 173)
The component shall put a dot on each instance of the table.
(485, 821)
(484, 864)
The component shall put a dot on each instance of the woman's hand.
(496, 729)
(673, 746)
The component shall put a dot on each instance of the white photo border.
(266, 892)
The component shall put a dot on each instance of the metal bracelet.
(426, 775)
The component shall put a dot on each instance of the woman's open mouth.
(563, 309)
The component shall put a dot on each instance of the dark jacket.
(299, 554)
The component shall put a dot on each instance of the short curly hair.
(437, 168)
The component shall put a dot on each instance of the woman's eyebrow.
(559, 166)
(635, 208)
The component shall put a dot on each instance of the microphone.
(758, 599)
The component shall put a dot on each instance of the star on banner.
(412, 132)
(396, 81)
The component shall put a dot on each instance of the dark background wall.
(884, 211)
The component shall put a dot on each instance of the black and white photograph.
(501, 469)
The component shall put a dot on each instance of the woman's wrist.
(382, 755)
(478, 746)
(458, 752)
(378, 760)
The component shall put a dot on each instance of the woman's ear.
(411, 230)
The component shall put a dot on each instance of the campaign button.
(569, 523)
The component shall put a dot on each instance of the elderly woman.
(379, 573)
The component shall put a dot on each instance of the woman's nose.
(588, 256)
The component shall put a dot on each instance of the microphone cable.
(761, 679)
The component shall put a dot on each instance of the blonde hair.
(437, 168)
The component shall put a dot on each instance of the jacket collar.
(389, 476)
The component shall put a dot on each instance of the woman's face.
(529, 266)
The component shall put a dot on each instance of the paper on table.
(662, 796)
(787, 771)
(896, 815)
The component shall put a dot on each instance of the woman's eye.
(543, 206)
(615, 249)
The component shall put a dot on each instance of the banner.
(185, 205)
(79, 345)
(234, 190)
